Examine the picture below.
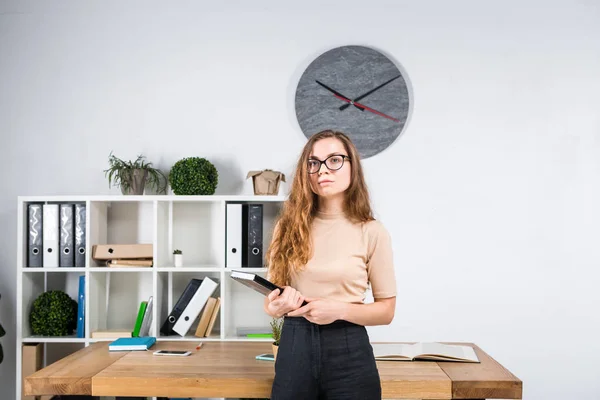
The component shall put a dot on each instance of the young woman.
(327, 248)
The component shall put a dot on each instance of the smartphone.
(180, 353)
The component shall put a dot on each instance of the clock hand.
(343, 107)
(337, 94)
(366, 108)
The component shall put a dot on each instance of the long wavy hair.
(290, 247)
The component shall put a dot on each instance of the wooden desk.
(229, 369)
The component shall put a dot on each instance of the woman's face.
(324, 181)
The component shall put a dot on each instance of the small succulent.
(177, 251)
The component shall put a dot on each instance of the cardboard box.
(266, 182)
(121, 251)
(32, 358)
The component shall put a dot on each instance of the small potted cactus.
(177, 258)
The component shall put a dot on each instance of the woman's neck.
(331, 205)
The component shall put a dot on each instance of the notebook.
(432, 351)
(256, 282)
(132, 344)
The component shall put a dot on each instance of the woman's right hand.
(280, 304)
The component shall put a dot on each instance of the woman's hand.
(321, 311)
(280, 305)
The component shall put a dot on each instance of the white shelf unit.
(194, 224)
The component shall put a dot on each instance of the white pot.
(178, 260)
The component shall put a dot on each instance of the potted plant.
(133, 176)
(177, 258)
(276, 327)
(2, 333)
(193, 176)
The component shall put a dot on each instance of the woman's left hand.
(320, 311)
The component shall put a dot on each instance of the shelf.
(171, 197)
(53, 269)
(246, 339)
(189, 338)
(243, 308)
(197, 268)
(122, 222)
(34, 284)
(115, 299)
(53, 339)
(250, 270)
(121, 269)
(194, 224)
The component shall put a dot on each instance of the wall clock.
(356, 90)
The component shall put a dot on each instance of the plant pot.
(178, 260)
(136, 182)
(275, 348)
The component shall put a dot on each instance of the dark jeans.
(333, 361)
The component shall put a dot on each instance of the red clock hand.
(338, 94)
(366, 108)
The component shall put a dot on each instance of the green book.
(260, 335)
(140, 319)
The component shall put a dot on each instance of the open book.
(424, 351)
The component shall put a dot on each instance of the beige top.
(346, 257)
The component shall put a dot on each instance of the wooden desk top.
(229, 369)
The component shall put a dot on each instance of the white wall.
(491, 195)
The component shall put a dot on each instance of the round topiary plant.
(193, 176)
(53, 313)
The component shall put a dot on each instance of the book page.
(450, 351)
(393, 350)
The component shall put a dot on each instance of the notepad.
(132, 344)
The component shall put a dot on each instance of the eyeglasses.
(333, 162)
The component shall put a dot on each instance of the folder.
(80, 235)
(193, 308)
(67, 240)
(122, 251)
(139, 319)
(234, 235)
(252, 235)
(181, 304)
(207, 313)
(50, 235)
(147, 320)
(81, 308)
(34, 237)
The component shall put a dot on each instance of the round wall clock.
(355, 90)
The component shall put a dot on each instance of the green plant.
(2, 333)
(53, 313)
(177, 251)
(193, 176)
(132, 176)
(276, 327)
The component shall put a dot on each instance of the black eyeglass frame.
(321, 162)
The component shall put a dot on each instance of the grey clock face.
(355, 90)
